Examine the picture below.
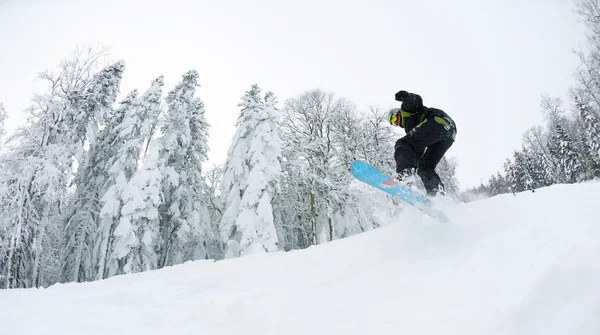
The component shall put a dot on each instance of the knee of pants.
(404, 154)
(426, 172)
(402, 146)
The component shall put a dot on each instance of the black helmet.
(411, 102)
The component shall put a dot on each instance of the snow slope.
(524, 264)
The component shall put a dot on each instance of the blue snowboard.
(370, 175)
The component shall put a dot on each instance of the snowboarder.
(430, 132)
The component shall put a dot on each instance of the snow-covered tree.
(83, 220)
(129, 215)
(213, 178)
(587, 90)
(184, 215)
(292, 206)
(537, 168)
(497, 184)
(2, 125)
(251, 177)
(347, 135)
(590, 137)
(446, 169)
(38, 166)
(378, 141)
(523, 178)
(313, 152)
(566, 158)
(509, 171)
(567, 151)
(567, 167)
(321, 135)
(354, 135)
(535, 142)
(136, 235)
(587, 76)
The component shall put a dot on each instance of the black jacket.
(424, 113)
(412, 104)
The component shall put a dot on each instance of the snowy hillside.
(525, 264)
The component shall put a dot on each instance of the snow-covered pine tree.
(579, 138)
(535, 141)
(2, 125)
(536, 168)
(130, 204)
(498, 184)
(199, 233)
(522, 179)
(184, 227)
(251, 178)
(565, 155)
(137, 238)
(494, 185)
(511, 176)
(86, 234)
(591, 137)
(562, 149)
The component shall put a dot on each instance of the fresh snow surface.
(524, 264)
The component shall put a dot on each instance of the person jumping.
(430, 132)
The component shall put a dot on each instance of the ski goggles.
(394, 117)
(397, 117)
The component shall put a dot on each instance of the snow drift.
(524, 264)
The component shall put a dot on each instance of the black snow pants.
(423, 148)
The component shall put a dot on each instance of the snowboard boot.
(407, 177)
(438, 191)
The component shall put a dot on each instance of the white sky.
(484, 62)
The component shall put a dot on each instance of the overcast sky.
(485, 62)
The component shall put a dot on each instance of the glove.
(401, 95)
